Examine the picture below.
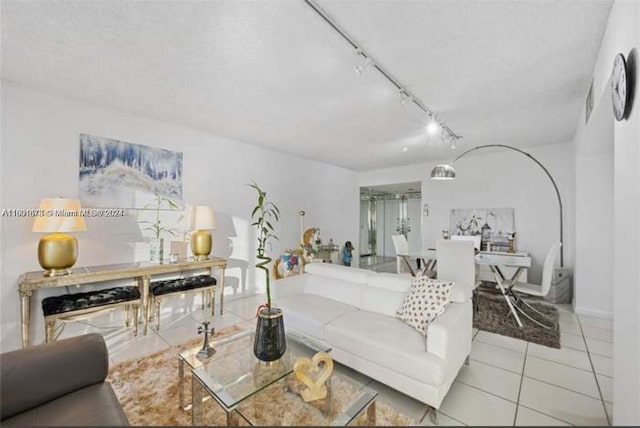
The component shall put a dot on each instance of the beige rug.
(147, 387)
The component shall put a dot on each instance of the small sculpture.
(207, 350)
(309, 372)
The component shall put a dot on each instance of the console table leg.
(144, 294)
(25, 315)
(221, 290)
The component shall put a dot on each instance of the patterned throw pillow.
(427, 298)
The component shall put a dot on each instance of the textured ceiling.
(276, 75)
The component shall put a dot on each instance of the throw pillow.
(426, 299)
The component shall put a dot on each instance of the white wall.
(500, 178)
(621, 36)
(40, 150)
(593, 271)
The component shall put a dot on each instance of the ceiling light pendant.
(433, 127)
(363, 62)
(453, 143)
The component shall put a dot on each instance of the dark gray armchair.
(61, 383)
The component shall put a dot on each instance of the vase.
(270, 342)
(156, 250)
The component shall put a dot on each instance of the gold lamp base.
(201, 244)
(57, 253)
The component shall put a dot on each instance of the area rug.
(147, 387)
(493, 316)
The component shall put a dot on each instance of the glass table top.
(280, 404)
(234, 374)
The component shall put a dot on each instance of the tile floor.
(508, 381)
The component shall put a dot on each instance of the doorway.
(385, 211)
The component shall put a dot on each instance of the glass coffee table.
(233, 374)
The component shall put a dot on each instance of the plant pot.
(156, 250)
(270, 342)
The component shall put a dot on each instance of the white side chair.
(534, 289)
(457, 262)
(402, 247)
(477, 239)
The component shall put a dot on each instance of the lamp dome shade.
(443, 172)
(202, 218)
(63, 215)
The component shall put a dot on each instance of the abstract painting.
(494, 223)
(125, 175)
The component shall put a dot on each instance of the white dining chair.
(477, 239)
(536, 290)
(457, 263)
(402, 247)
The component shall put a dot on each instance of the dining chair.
(536, 290)
(477, 239)
(402, 247)
(456, 262)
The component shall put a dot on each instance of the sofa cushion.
(390, 281)
(308, 314)
(388, 342)
(426, 300)
(381, 301)
(346, 273)
(333, 288)
(95, 405)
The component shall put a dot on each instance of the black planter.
(270, 341)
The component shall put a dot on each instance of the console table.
(140, 273)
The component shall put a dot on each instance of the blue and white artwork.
(125, 175)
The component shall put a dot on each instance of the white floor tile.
(568, 317)
(351, 374)
(124, 347)
(602, 365)
(474, 407)
(404, 404)
(600, 347)
(603, 323)
(488, 378)
(572, 341)
(528, 417)
(606, 387)
(443, 420)
(597, 333)
(567, 356)
(568, 327)
(562, 404)
(577, 380)
(502, 341)
(497, 357)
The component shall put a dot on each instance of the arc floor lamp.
(448, 172)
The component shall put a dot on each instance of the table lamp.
(201, 222)
(58, 252)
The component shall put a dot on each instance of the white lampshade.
(63, 216)
(202, 218)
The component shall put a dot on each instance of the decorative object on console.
(157, 229)
(202, 221)
(207, 350)
(314, 373)
(119, 174)
(58, 252)
(448, 172)
(426, 299)
(289, 263)
(270, 342)
(492, 225)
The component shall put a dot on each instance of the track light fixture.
(365, 61)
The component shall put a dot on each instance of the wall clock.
(620, 87)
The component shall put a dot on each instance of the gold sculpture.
(310, 372)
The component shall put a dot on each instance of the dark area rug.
(493, 316)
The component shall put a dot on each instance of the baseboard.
(593, 313)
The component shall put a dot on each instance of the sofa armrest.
(449, 335)
(39, 374)
(288, 286)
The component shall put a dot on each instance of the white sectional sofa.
(353, 311)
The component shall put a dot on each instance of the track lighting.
(433, 127)
(363, 62)
(405, 98)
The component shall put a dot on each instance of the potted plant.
(270, 343)
(156, 247)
